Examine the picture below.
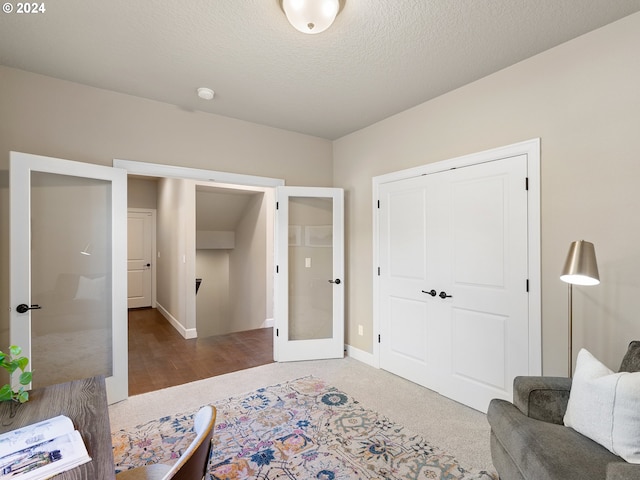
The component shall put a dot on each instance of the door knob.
(431, 292)
(336, 281)
(148, 265)
(444, 295)
(24, 308)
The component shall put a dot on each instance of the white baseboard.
(362, 356)
(267, 323)
(185, 332)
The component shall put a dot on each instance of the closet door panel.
(406, 330)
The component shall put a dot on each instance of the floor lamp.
(580, 268)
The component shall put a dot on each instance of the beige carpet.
(459, 430)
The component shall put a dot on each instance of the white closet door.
(407, 313)
(483, 266)
(453, 304)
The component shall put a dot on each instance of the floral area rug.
(302, 429)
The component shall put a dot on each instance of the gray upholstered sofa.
(530, 442)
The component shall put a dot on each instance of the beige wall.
(46, 116)
(213, 315)
(582, 99)
(175, 288)
(142, 193)
(248, 267)
(51, 117)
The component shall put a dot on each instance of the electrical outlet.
(360, 330)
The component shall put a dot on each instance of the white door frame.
(213, 178)
(158, 170)
(153, 213)
(531, 148)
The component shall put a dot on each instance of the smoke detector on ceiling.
(205, 93)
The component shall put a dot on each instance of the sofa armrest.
(623, 471)
(542, 398)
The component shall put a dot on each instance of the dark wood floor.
(159, 357)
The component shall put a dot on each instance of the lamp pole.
(570, 330)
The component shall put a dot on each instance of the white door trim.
(531, 148)
(159, 170)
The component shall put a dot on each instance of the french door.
(309, 283)
(68, 288)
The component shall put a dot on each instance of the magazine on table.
(41, 450)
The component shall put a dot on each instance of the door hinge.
(277, 332)
(378, 338)
(527, 284)
(378, 203)
(526, 183)
(277, 205)
(277, 269)
(378, 271)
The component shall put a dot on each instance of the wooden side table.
(85, 403)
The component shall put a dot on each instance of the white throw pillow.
(605, 406)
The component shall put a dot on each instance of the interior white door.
(454, 303)
(483, 266)
(139, 258)
(407, 313)
(67, 271)
(309, 284)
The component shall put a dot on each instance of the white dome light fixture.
(311, 16)
(205, 93)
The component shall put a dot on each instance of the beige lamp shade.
(581, 267)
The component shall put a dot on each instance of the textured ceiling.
(379, 58)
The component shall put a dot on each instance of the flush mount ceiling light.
(205, 93)
(311, 16)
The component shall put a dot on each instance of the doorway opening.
(222, 236)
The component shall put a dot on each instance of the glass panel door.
(68, 270)
(309, 308)
(310, 268)
(70, 278)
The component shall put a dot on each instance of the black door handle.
(430, 292)
(444, 295)
(24, 308)
(148, 265)
(336, 281)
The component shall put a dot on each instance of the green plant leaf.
(25, 378)
(11, 366)
(22, 362)
(14, 350)
(22, 396)
(6, 393)
(2, 356)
